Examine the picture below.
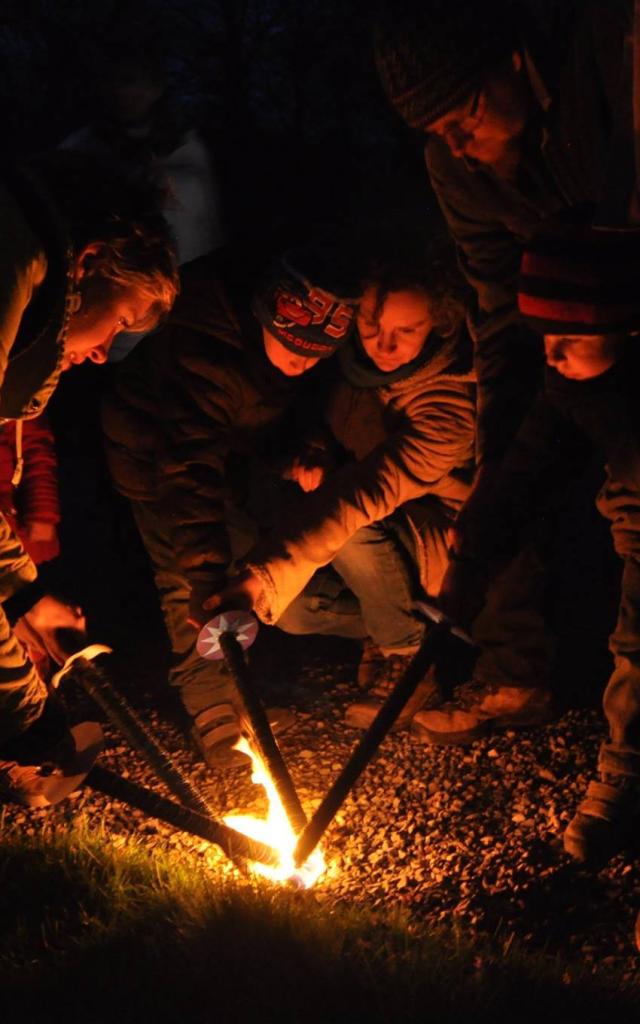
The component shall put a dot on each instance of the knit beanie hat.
(432, 54)
(301, 302)
(582, 284)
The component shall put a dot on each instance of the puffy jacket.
(407, 440)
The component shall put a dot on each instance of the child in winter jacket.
(200, 412)
(371, 537)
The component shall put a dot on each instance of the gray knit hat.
(431, 54)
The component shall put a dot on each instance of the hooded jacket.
(407, 440)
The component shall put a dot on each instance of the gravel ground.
(470, 836)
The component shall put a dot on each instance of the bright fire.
(275, 830)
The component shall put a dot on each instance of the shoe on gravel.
(371, 664)
(41, 785)
(479, 710)
(427, 693)
(217, 729)
(606, 819)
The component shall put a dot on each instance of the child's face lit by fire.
(393, 333)
(105, 309)
(290, 363)
(581, 356)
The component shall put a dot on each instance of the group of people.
(359, 432)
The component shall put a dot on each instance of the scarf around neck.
(362, 372)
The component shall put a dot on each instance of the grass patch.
(94, 933)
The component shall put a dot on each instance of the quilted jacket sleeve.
(434, 436)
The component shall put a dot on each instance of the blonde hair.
(156, 283)
(102, 204)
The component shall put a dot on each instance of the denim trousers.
(369, 589)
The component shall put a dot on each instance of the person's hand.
(307, 472)
(41, 532)
(41, 541)
(241, 592)
(473, 534)
(38, 629)
(463, 591)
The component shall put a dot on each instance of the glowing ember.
(275, 830)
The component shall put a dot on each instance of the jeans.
(369, 589)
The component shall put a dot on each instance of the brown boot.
(371, 663)
(427, 692)
(479, 709)
(606, 819)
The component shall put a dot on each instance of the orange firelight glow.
(275, 830)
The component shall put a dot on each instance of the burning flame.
(275, 830)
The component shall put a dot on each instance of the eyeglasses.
(468, 120)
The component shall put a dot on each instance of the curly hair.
(101, 203)
(429, 268)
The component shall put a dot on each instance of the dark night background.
(285, 93)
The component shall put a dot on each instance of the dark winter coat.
(196, 409)
(569, 421)
(578, 143)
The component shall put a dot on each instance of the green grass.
(92, 933)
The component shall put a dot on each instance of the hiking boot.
(478, 710)
(605, 820)
(391, 670)
(216, 730)
(371, 664)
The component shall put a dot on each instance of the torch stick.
(120, 712)
(237, 846)
(373, 737)
(224, 636)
